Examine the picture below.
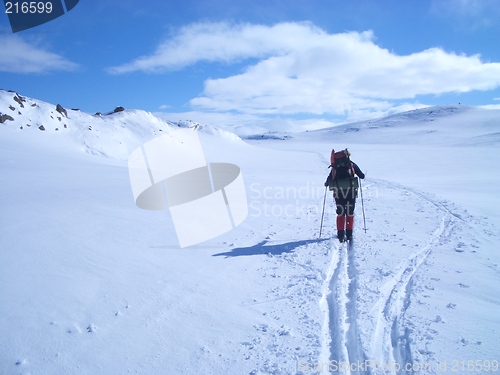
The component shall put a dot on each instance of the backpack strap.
(351, 166)
(332, 163)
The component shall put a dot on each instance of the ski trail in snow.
(391, 339)
(390, 342)
(341, 341)
(389, 345)
(355, 350)
(329, 317)
(337, 303)
(333, 305)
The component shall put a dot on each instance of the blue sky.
(269, 64)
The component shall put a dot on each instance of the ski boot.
(341, 235)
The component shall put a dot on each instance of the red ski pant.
(345, 222)
(345, 199)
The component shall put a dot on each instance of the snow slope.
(90, 284)
(113, 135)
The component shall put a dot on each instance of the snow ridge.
(113, 135)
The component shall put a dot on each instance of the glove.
(326, 183)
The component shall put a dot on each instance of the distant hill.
(453, 125)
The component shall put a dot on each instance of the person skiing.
(344, 184)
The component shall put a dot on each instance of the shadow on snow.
(263, 248)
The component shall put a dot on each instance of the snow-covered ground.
(91, 284)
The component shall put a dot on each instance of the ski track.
(340, 292)
(337, 303)
(355, 349)
(390, 342)
(391, 345)
(330, 343)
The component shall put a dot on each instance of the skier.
(344, 184)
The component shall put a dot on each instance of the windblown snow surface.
(91, 284)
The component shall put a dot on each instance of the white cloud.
(340, 73)
(217, 42)
(491, 106)
(468, 14)
(465, 8)
(298, 68)
(19, 56)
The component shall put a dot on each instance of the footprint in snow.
(74, 329)
(460, 247)
(91, 328)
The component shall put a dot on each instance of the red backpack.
(341, 164)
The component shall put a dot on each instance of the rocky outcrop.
(61, 110)
(19, 100)
(4, 118)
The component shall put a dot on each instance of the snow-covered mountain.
(114, 134)
(91, 284)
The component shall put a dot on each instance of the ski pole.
(323, 213)
(362, 205)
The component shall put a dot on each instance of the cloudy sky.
(268, 64)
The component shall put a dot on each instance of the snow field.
(89, 283)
